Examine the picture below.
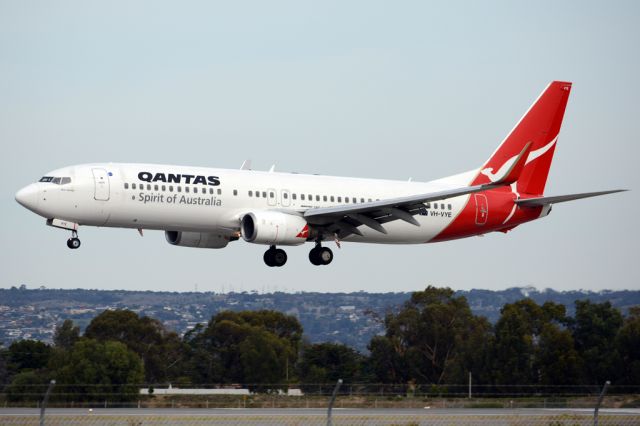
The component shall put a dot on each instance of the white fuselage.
(113, 195)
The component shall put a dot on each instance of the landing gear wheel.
(268, 258)
(279, 257)
(73, 243)
(275, 257)
(320, 255)
(314, 257)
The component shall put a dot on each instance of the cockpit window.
(56, 180)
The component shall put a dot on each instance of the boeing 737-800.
(208, 208)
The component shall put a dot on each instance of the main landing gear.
(275, 257)
(320, 255)
(73, 242)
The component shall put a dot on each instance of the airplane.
(209, 207)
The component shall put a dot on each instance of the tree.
(328, 362)
(514, 350)
(557, 360)
(28, 385)
(254, 347)
(533, 345)
(426, 336)
(66, 335)
(595, 330)
(159, 348)
(628, 346)
(28, 355)
(95, 371)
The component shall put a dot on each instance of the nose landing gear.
(73, 242)
(320, 255)
(275, 257)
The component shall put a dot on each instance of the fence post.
(331, 401)
(600, 398)
(45, 400)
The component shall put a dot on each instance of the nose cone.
(28, 196)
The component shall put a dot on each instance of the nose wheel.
(320, 255)
(73, 242)
(275, 257)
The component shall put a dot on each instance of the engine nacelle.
(196, 239)
(269, 227)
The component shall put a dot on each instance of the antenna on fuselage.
(246, 165)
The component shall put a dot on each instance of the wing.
(345, 219)
(543, 201)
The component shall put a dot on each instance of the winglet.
(513, 173)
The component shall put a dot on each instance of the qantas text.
(179, 178)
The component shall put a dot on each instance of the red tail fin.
(539, 126)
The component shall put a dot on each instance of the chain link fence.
(347, 418)
(307, 404)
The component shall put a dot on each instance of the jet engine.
(196, 239)
(269, 227)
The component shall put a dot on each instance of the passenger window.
(317, 198)
(155, 187)
(126, 185)
(449, 206)
(369, 199)
(179, 188)
(442, 206)
(186, 189)
(332, 199)
(362, 200)
(272, 195)
(257, 194)
(324, 198)
(293, 195)
(148, 187)
(164, 188)
(235, 192)
(354, 200)
(250, 193)
(264, 194)
(170, 188)
(195, 189)
(435, 206)
(285, 195)
(339, 199)
(302, 197)
(220, 192)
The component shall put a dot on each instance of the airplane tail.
(539, 127)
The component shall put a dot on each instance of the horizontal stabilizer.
(543, 201)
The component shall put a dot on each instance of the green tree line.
(433, 339)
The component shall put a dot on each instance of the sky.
(365, 88)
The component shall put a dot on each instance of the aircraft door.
(101, 181)
(286, 198)
(482, 209)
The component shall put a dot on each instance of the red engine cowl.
(269, 227)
